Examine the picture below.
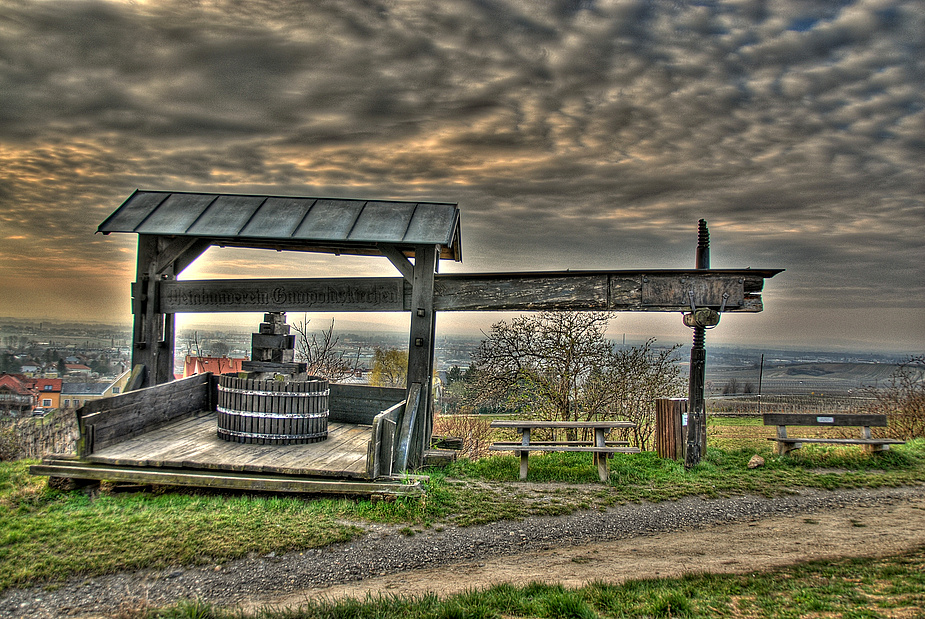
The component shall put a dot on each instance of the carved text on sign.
(297, 295)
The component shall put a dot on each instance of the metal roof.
(331, 225)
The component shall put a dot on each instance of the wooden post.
(159, 259)
(421, 346)
(696, 421)
(670, 434)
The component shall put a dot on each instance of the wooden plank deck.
(192, 443)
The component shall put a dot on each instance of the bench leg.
(603, 470)
(600, 459)
(784, 448)
(524, 455)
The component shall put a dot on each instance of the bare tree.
(540, 364)
(219, 348)
(902, 399)
(559, 366)
(318, 352)
(632, 381)
(193, 346)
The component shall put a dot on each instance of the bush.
(475, 431)
(903, 400)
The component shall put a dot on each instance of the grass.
(47, 536)
(722, 473)
(887, 587)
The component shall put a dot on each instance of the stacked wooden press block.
(273, 401)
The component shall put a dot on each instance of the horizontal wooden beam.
(250, 482)
(732, 290)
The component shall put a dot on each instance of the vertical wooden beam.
(697, 418)
(158, 260)
(421, 345)
(143, 339)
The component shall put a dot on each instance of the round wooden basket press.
(272, 412)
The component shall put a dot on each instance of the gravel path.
(383, 550)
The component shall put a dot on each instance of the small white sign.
(683, 419)
(825, 419)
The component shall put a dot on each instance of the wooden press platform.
(167, 435)
(192, 443)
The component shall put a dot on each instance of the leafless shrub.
(475, 431)
(630, 384)
(903, 400)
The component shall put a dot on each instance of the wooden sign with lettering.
(381, 294)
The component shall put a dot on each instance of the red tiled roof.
(14, 384)
(41, 383)
(216, 365)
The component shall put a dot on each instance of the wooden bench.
(600, 447)
(786, 444)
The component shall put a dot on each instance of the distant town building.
(29, 370)
(48, 392)
(16, 396)
(77, 369)
(75, 395)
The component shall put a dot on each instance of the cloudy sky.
(572, 134)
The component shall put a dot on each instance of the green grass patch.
(47, 535)
(645, 476)
(887, 587)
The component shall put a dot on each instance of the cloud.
(589, 133)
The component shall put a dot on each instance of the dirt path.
(855, 531)
(732, 534)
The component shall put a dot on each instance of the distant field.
(790, 403)
(803, 378)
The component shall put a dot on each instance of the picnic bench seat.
(600, 447)
(786, 444)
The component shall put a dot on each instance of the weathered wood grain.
(111, 420)
(381, 452)
(404, 449)
(620, 290)
(670, 431)
(361, 403)
(811, 419)
(514, 423)
(382, 294)
(254, 482)
(192, 443)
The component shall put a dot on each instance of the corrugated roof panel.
(133, 211)
(330, 220)
(384, 222)
(278, 218)
(431, 220)
(176, 214)
(226, 216)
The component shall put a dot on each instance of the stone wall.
(35, 437)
